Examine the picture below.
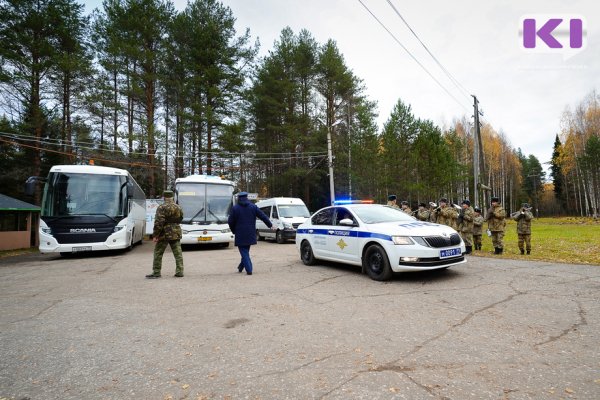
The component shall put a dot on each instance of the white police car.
(381, 239)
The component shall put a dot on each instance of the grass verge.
(565, 240)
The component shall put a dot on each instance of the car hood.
(412, 228)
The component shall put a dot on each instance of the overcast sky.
(523, 93)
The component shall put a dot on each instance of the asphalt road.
(93, 328)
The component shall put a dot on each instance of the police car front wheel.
(376, 263)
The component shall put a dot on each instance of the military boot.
(528, 252)
(469, 249)
(522, 251)
(500, 250)
(496, 250)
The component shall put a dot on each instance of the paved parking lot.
(94, 328)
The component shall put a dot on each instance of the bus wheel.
(131, 241)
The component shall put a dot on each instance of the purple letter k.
(545, 33)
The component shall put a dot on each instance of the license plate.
(450, 253)
(82, 248)
(205, 239)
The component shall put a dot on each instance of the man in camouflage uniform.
(392, 201)
(465, 225)
(496, 224)
(405, 207)
(423, 212)
(432, 212)
(523, 218)
(477, 228)
(167, 231)
(447, 214)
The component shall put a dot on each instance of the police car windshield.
(293, 210)
(378, 214)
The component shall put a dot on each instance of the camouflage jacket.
(448, 216)
(523, 219)
(423, 215)
(466, 220)
(496, 219)
(166, 223)
(477, 225)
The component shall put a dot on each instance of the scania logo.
(82, 230)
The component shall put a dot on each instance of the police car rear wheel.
(306, 253)
(376, 263)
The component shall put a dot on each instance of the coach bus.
(91, 208)
(206, 201)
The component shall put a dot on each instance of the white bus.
(206, 202)
(90, 208)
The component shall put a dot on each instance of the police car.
(381, 239)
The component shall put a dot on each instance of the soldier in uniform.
(496, 224)
(392, 201)
(447, 214)
(423, 212)
(432, 212)
(477, 227)
(465, 225)
(523, 218)
(167, 231)
(406, 207)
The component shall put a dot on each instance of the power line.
(219, 153)
(413, 57)
(448, 74)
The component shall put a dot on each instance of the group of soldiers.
(468, 221)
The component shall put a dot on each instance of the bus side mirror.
(129, 190)
(31, 183)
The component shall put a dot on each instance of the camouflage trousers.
(159, 250)
(467, 237)
(524, 240)
(477, 241)
(498, 239)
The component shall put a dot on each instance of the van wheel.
(279, 237)
(306, 253)
(377, 264)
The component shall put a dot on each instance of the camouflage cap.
(477, 209)
(168, 193)
(495, 200)
(392, 197)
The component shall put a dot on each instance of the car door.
(321, 224)
(342, 240)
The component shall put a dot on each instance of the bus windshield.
(71, 194)
(204, 203)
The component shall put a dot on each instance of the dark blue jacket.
(242, 222)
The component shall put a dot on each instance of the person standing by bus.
(167, 231)
(242, 222)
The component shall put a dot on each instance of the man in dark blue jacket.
(242, 222)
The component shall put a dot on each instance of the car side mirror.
(347, 222)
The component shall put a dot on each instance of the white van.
(286, 214)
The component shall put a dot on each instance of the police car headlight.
(287, 225)
(47, 231)
(226, 230)
(118, 228)
(402, 240)
(185, 232)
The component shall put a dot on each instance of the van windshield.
(293, 210)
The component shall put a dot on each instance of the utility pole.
(476, 154)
